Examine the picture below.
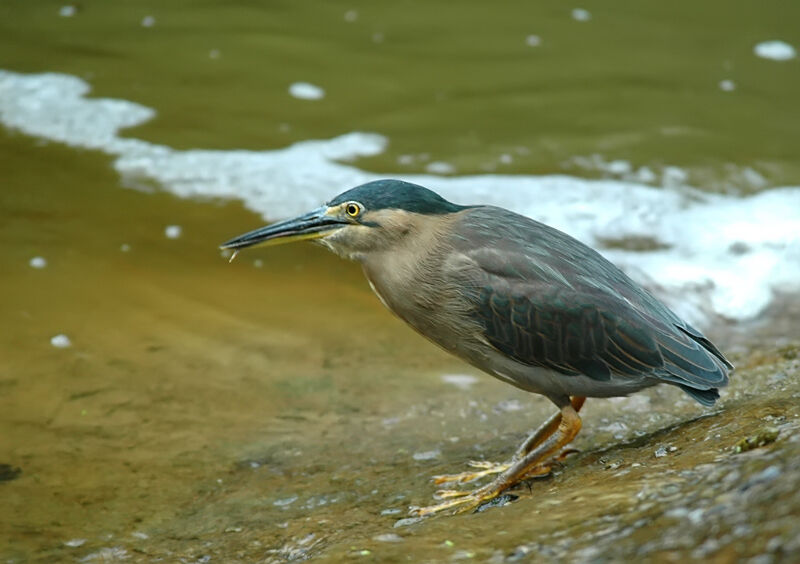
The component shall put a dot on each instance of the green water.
(245, 413)
(638, 81)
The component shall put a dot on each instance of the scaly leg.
(486, 468)
(537, 451)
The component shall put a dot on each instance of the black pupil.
(352, 210)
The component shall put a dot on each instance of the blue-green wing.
(550, 301)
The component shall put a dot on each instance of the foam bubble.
(306, 91)
(75, 543)
(61, 341)
(705, 253)
(581, 15)
(427, 455)
(440, 167)
(462, 381)
(173, 231)
(775, 50)
(533, 40)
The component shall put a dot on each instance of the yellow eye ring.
(352, 209)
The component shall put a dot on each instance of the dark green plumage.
(547, 300)
(395, 194)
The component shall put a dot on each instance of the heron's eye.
(352, 209)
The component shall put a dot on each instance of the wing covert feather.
(539, 304)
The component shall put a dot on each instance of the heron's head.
(369, 218)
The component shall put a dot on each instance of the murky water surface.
(270, 409)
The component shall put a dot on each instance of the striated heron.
(522, 301)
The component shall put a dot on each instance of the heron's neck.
(406, 272)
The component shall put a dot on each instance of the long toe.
(449, 494)
(535, 460)
(487, 469)
(485, 464)
(461, 502)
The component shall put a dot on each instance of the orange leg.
(487, 468)
(529, 460)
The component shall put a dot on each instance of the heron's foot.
(534, 459)
(487, 468)
(483, 468)
(463, 501)
(459, 501)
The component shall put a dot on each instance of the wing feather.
(608, 328)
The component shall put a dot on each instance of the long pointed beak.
(312, 225)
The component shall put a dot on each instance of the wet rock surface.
(677, 493)
(655, 480)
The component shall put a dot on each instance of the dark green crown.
(396, 194)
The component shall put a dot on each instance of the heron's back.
(547, 300)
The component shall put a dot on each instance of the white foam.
(60, 341)
(173, 231)
(440, 167)
(75, 543)
(714, 254)
(775, 50)
(427, 455)
(52, 106)
(533, 40)
(306, 91)
(581, 15)
(461, 381)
